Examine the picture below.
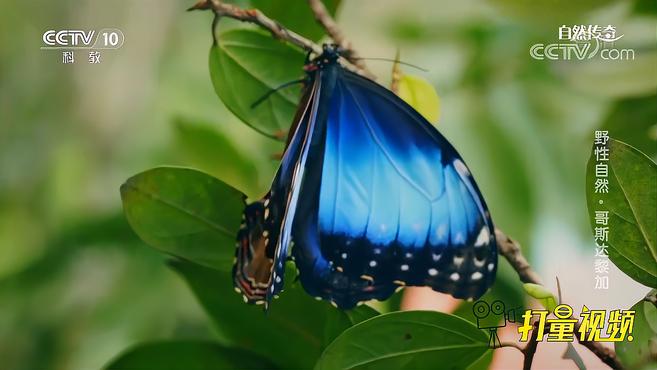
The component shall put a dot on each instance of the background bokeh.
(77, 286)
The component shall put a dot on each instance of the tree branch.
(607, 355)
(257, 17)
(333, 30)
(512, 344)
(510, 249)
(530, 349)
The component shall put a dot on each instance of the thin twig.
(512, 344)
(396, 74)
(333, 30)
(607, 355)
(257, 17)
(510, 249)
(530, 349)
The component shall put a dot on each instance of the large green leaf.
(185, 213)
(207, 147)
(641, 352)
(338, 321)
(296, 15)
(407, 340)
(245, 65)
(484, 361)
(187, 355)
(631, 202)
(290, 333)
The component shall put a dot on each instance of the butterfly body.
(375, 198)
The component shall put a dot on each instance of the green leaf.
(296, 15)
(187, 355)
(421, 95)
(483, 363)
(634, 121)
(338, 320)
(547, 299)
(245, 65)
(641, 352)
(631, 202)
(184, 213)
(406, 340)
(207, 147)
(290, 333)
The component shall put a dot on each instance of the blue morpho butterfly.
(370, 196)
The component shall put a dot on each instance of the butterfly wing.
(264, 238)
(388, 202)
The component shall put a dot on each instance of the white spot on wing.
(483, 238)
(372, 263)
(454, 276)
(433, 272)
(436, 257)
(491, 266)
(476, 275)
(344, 256)
(461, 168)
(458, 261)
(404, 267)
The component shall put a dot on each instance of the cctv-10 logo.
(106, 38)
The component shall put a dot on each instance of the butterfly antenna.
(270, 92)
(395, 61)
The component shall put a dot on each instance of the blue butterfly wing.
(387, 202)
(264, 238)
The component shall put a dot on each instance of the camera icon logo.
(491, 317)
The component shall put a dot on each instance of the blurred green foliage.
(76, 285)
(188, 355)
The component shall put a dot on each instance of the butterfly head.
(329, 56)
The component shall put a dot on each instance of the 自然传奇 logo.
(582, 42)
